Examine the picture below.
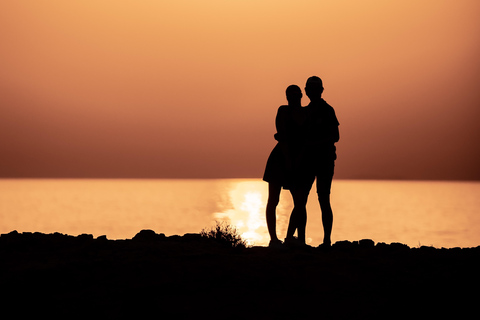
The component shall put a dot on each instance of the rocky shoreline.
(58, 275)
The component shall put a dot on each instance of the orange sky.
(190, 89)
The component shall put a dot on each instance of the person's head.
(314, 88)
(294, 94)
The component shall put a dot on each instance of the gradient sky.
(190, 89)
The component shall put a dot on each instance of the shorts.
(321, 167)
(324, 174)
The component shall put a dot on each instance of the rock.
(148, 235)
(382, 245)
(85, 237)
(367, 243)
(344, 245)
(102, 238)
(10, 235)
(427, 249)
(175, 237)
(399, 246)
(192, 237)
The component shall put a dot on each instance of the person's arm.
(280, 124)
(333, 135)
(326, 131)
(329, 135)
(282, 135)
(336, 135)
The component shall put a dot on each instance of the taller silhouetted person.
(323, 134)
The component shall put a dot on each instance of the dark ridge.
(59, 275)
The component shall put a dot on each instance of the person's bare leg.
(292, 224)
(298, 218)
(327, 217)
(271, 215)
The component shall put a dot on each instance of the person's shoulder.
(326, 104)
(327, 107)
(331, 112)
(319, 104)
(283, 108)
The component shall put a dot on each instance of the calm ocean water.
(440, 214)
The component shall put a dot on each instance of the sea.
(416, 213)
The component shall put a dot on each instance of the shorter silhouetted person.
(323, 134)
(281, 169)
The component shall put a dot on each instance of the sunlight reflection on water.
(248, 214)
(412, 212)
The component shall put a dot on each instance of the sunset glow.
(247, 212)
(190, 89)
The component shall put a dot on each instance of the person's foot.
(325, 245)
(294, 242)
(275, 243)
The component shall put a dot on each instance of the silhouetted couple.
(305, 151)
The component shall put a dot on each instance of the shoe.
(294, 242)
(325, 246)
(275, 244)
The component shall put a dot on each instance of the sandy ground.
(151, 275)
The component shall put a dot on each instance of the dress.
(275, 168)
(291, 136)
